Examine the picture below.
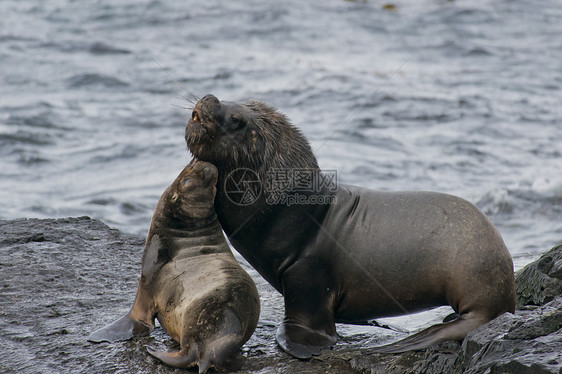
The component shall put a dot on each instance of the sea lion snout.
(217, 128)
(207, 172)
(206, 110)
(210, 99)
(203, 128)
(197, 182)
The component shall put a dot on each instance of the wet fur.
(279, 145)
(269, 141)
(191, 281)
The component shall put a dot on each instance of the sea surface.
(462, 97)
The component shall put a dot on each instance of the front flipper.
(122, 329)
(309, 295)
(302, 341)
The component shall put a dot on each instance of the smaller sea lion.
(191, 281)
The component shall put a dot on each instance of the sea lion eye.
(236, 121)
(194, 116)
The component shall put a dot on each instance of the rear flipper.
(122, 329)
(219, 350)
(178, 359)
(455, 330)
(451, 317)
(213, 357)
(375, 323)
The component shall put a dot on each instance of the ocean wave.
(548, 189)
(95, 79)
(100, 48)
(539, 197)
(22, 137)
(42, 120)
(473, 112)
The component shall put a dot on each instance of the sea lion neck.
(186, 227)
(173, 242)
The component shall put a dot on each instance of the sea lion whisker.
(181, 107)
(187, 99)
(362, 105)
(190, 94)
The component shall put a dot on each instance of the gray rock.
(540, 281)
(62, 278)
(525, 342)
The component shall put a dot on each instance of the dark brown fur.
(368, 254)
(268, 140)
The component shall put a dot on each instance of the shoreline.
(63, 278)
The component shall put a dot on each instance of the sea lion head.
(251, 135)
(192, 195)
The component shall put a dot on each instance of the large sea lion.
(191, 281)
(364, 254)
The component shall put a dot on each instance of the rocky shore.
(62, 278)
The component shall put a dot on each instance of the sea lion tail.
(455, 330)
(122, 329)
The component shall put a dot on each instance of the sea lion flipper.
(455, 330)
(178, 359)
(232, 364)
(122, 329)
(302, 341)
(309, 326)
(187, 358)
(451, 317)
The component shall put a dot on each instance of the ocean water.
(452, 96)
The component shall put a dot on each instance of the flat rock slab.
(60, 279)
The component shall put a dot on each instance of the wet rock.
(429, 362)
(540, 281)
(527, 342)
(60, 279)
